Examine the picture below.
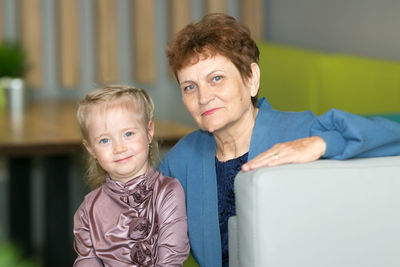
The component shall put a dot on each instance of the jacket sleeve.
(348, 135)
(82, 241)
(163, 167)
(173, 242)
(174, 163)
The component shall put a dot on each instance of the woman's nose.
(205, 95)
(119, 146)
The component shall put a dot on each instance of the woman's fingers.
(297, 151)
(268, 158)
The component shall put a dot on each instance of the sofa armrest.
(324, 213)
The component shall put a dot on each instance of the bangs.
(197, 54)
(100, 108)
(126, 102)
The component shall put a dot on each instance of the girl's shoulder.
(168, 191)
(88, 203)
(167, 182)
(90, 197)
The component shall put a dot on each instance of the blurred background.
(63, 49)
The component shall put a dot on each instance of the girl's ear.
(150, 130)
(255, 79)
(89, 148)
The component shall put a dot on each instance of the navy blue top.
(226, 173)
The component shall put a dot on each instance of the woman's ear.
(150, 130)
(89, 148)
(254, 79)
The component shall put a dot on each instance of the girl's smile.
(123, 160)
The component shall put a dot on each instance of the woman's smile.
(209, 112)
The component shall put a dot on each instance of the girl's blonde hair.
(103, 96)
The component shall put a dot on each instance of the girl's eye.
(128, 134)
(104, 141)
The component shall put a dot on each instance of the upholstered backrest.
(298, 79)
(324, 213)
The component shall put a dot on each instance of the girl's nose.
(119, 146)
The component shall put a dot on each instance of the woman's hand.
(297, 151)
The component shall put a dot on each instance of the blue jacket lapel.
(203, 203)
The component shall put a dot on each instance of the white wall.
(363, 27)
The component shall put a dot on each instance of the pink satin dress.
(139, 223)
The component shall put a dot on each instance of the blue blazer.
(191, 160)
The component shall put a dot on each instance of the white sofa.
(324, 214)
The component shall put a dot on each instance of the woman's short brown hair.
(215, 34)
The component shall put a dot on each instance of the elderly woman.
(215, 62)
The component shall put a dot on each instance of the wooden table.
(49, 129)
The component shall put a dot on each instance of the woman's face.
(215, 94)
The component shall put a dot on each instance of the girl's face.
(119, 141)
(215, 94)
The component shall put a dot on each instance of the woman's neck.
(234, 140)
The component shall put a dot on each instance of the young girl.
(137, 217)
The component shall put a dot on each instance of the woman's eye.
(188, 88)
(217, 78)
(128, 134)
(104, 141)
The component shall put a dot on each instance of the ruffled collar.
(137, 190)
(123, 188)
(143, 226)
